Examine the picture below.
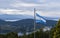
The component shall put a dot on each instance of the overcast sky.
(48, 8)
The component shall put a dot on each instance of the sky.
(47, 8)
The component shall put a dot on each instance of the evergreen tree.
(55, 32)
(52, 32)
(2, 36)
(12, 35)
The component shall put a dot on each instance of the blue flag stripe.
(40, 16)
(41, 20)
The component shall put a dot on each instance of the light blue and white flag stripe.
(40, 19)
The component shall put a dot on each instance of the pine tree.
(57, 30)
(12, 35)
(52, 32)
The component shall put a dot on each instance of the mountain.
(51, 18)
(11, 17)
(22, 25)
(50, 23)
(14, 17)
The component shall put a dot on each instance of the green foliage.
(12, 35)
(55, 32)
(2, 36)
(52, 32)
(9, 35)
(38, 34)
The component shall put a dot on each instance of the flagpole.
(34, 22)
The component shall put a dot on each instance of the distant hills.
(14, 17)
(23, 25)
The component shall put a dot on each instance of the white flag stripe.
(40, 18)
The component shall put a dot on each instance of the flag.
(40, 19)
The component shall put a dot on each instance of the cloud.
(28, 12)
(30, 4)
(9, 11)
(49, 13)
(48, 8)
(15, 11)
(42, 1)
(21, 4)
(43, 5)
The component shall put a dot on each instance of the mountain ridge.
(27, 24)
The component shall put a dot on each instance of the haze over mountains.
(10, 17)
(14, 17)
(27, 24)
(9, 23)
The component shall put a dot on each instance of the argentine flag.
(40, 19)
